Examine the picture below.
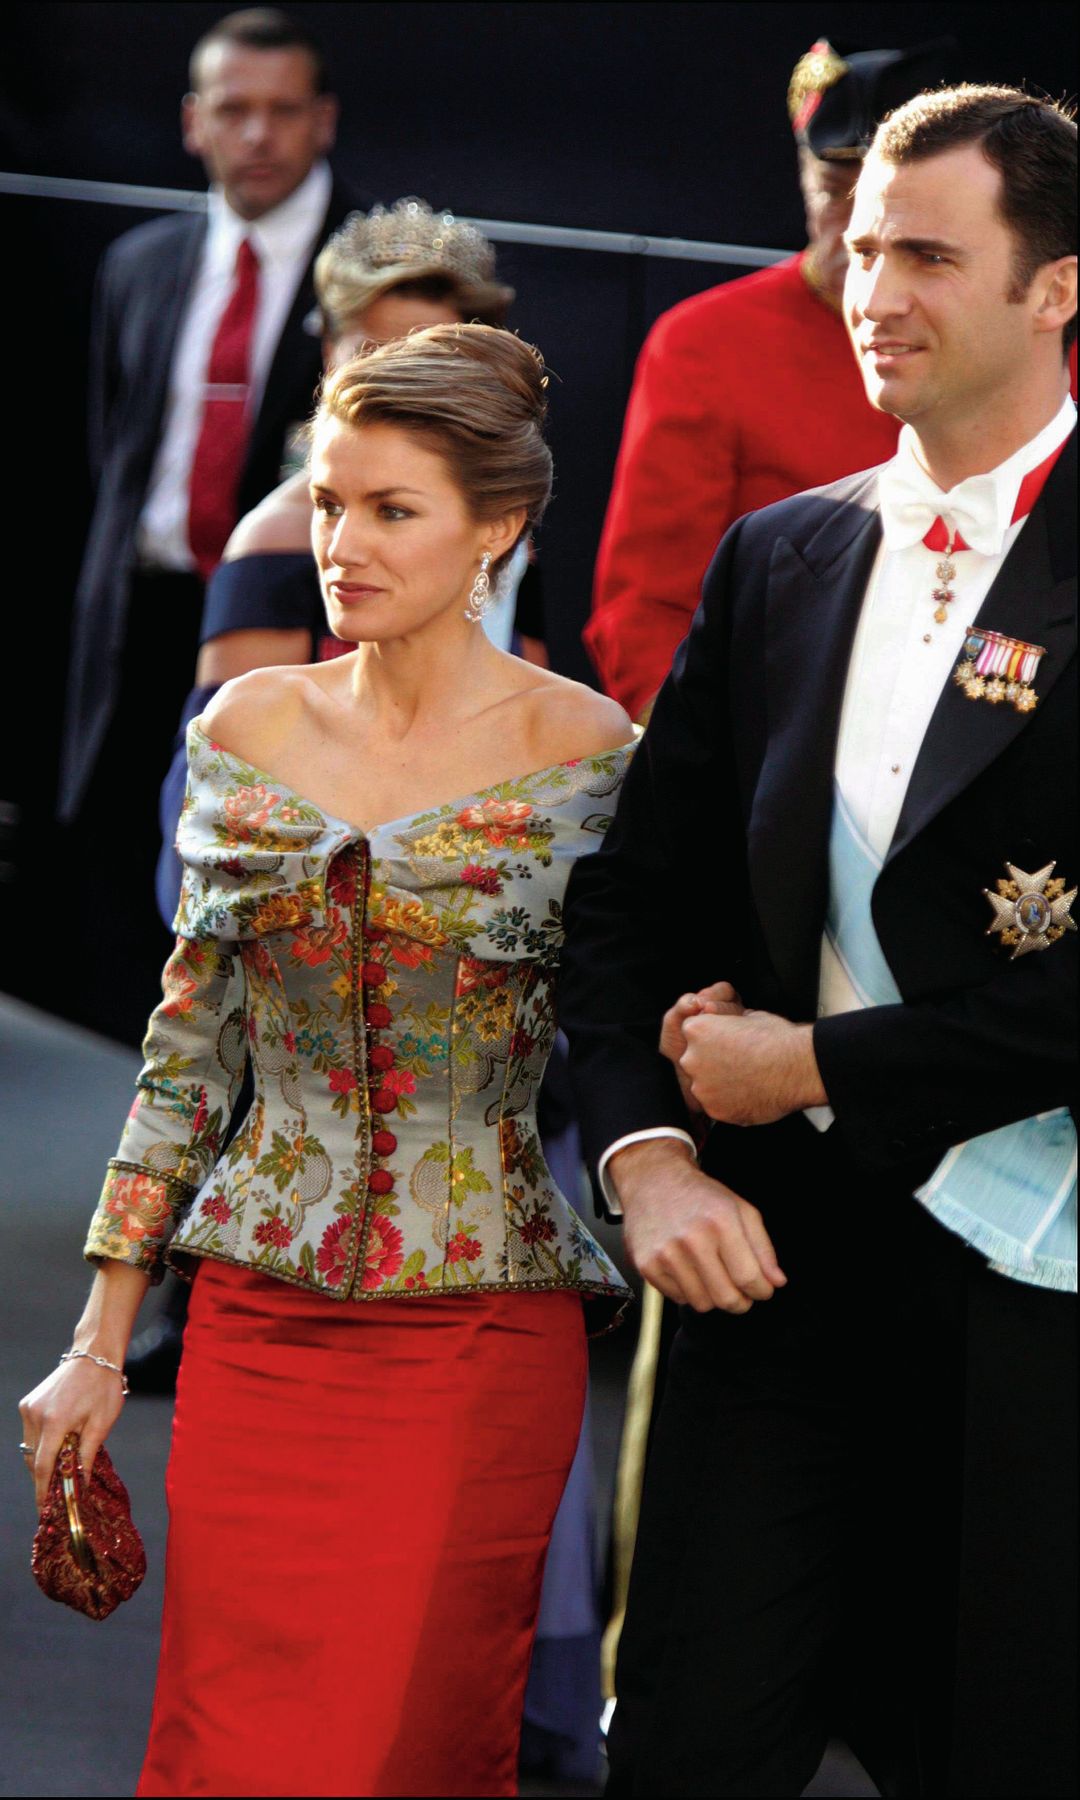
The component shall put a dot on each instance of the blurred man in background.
(200, 367)
(746, 393)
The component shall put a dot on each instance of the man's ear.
(326, 113)
(1055, 294)
(191, 125)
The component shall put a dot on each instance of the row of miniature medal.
(1031, 912)
(993, 667)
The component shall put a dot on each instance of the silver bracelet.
(102, 1363)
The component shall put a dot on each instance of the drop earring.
(480, 596)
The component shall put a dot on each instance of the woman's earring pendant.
(480, 596)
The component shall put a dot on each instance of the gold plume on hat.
(813, 74)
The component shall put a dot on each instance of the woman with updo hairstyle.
(384, 1367)
(383, 274)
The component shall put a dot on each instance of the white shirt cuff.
(607, 1184)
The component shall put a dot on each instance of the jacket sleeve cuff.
(612, 1203)
(135, 1218)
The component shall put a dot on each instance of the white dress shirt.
(901, 659)
(283, 240)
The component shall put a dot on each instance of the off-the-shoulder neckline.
(442, 806)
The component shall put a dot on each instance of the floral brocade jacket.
(394, 993)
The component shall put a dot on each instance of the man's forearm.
(752, 1068)
(634, 1166)
(798, 1075)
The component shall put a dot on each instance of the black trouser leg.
(1015, 1705)
(859, 1515)
(732, 1603)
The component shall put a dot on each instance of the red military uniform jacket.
(743, 395)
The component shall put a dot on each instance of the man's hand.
(719, 998)
(751, 1068)
(689, 1235)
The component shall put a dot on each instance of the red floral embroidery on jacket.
(330, 1257)
(384, 1253)
(501, 822)
(138, 1204)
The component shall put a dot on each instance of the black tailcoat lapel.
(1033, 598)
(814, 599)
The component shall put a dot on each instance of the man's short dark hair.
(1032, 144)
(260, 28)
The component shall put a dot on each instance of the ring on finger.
(28, 1450)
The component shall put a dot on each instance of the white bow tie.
(910, 502)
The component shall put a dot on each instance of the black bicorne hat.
(836, 101)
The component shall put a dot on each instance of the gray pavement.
(74, 1695)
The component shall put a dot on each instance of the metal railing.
(558, 237)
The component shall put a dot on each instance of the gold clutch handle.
(68, 1463)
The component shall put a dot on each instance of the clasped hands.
(739, 1066)
(687, 1233)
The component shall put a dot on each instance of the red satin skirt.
(360, 1501)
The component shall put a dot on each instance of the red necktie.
(223, 432)
(937, 538)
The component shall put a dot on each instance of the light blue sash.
(1010, 1193)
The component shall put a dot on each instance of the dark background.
(665, 119)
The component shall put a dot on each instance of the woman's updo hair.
(474, 393)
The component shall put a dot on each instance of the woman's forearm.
(79, 1396)
(110, 1312)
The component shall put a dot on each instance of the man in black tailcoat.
(179, 455)
(828, 946)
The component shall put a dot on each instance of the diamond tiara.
(409, 232)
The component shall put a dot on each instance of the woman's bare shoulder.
(569, 720)
(255, 713)
(281, 522)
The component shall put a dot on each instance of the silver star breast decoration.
(1030, 911)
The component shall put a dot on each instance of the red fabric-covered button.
(384, 1100)
(384, 1143)
(372, 974)
(378, 1015)
(381, 1057)
(380, 1181)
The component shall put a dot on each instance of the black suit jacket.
(716, 865)
(142, 287)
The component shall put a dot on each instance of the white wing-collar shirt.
(901, 656)
(283, 240)
(901, 659)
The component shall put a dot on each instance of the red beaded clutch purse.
(87, 1553)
